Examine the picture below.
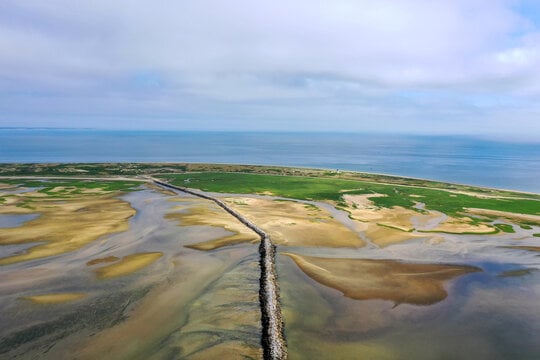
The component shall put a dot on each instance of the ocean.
(457, 159)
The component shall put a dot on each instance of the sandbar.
(107, 259)
(399, 282)
(55, 298)
(65, 223)
(523, 247)
(128, 265)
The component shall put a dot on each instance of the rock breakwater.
(273, 341)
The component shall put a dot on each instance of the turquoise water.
(447, 158)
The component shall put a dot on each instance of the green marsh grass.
(318, 188)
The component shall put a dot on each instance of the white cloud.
(180, 59)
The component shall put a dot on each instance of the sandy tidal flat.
(63, 224)
(291, 223)
(127, 265)
(137, 292)
(207, 213)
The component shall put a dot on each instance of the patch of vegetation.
(115, 169)
(536, 235)
(63, 188)
(311, 207)
(317, 188)
(525, 227)
(88, 169)
(295, 187)
(455, 205)
(494, 231)
(297, 183)
(505, 228)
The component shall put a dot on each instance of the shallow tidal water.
(7, 221)
(486, 315)
(192, 304)
(185, 305)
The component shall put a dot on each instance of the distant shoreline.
(453, 159)
(21, 169)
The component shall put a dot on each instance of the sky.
(408, 66)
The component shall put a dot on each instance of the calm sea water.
(446, 158)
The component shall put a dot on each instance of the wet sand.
(293, 223)
(208, 213)
(107, 259)
(55, 298)
(128, 265)
(146, 295)
(65, 223)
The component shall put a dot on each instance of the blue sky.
(412, 66)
